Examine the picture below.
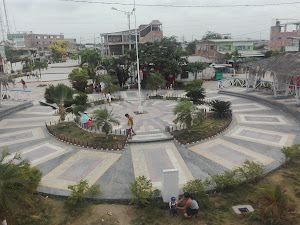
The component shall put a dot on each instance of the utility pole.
(94, 42)
(1, 25)
(6, 17)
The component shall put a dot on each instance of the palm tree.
(221, 108)
(187, 113)
(14, 185)
(60, 94)
(40, 65)
(274, 204)
(104, 118)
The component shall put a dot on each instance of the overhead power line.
(184, 6)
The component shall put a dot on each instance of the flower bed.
(69, 132)
(208, 128)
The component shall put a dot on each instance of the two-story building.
(116, 43)
(285, 36)
(216, 49)
(39, 44)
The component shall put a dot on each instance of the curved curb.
(130, 141)
(278, 105)
(14, 109)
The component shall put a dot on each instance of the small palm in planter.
(221, 109)
(188, 114)
(104, 119)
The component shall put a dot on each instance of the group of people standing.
(33, 75)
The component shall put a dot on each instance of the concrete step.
(144, 138)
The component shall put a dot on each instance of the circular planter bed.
(71, 133)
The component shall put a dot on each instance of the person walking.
(24, 84)
(190, 207)
(108, 98)
(130, 123)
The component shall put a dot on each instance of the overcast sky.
(83, 20)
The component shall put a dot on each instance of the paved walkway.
(257, 133)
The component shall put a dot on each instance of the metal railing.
(14, 94)
(232, 81)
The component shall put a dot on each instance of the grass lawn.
(200, 131)
(46, 211)
(72, 131)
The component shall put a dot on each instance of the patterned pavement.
(257, 133)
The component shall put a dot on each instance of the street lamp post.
(140, 107)
(128, 14)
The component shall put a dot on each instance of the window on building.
(37, 42)
(185, 75)
(45, 48)
(45, 37)
(225, 48)
(212, 47)
(51, 36)
(242, 48)
(39, 37)
(57, 36)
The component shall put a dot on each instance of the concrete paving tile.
(89, 165)
(18, 137)
(27, 122)
(41, 153)
(150, 160)
(265, 137)
(227, 154)
(248, 107)
(262, 119)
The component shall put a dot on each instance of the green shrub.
(78, 108)
(179, 85)
(194, 83)
(81, 99)
(291, 153)
(143, 193)
(197, 189)
(221, 109)
(225, 181)
(82, 190)
(250, 171)
(89, 90)
(196, 93)
(34, 176)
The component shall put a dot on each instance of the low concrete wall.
(17, 108)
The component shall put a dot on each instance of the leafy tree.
(79, 79)
(40, 65)
(18, 182)
(110, 83)
(227, 56)
(27, 64)
(221, 108)
(166, 56)
(195, 67)
(104, 119)
(274, 205)
(190, 48)
(210, 35)
(92, 58)
(235, 55)
(59, 94)
(187, 113)
(59, 50)
(155, 81)
(12, 54)
(143, 193)
(80, 103)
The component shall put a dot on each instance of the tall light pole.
(140, 107)
(128, 14)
